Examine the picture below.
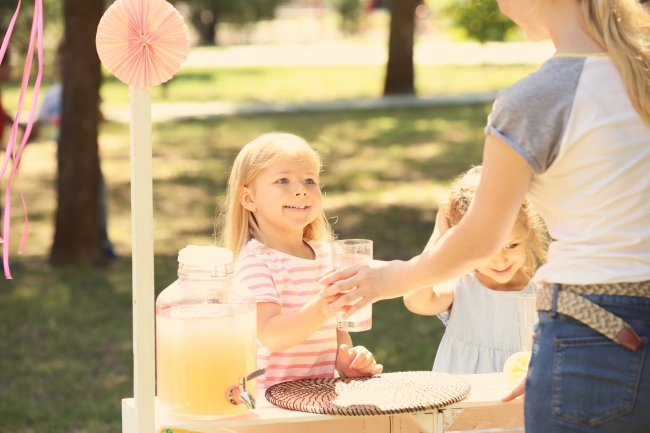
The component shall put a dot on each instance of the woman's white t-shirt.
(574, 123)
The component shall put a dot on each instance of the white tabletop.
(486, 391)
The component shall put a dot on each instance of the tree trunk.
(204, 20)
(399, 71)
(77, 237)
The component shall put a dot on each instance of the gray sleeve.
(531, 115)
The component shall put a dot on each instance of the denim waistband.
(561, 299)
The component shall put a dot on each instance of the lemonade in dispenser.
(206, 338)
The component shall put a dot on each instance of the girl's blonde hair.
(238, 224)
(623, 28)
(463, 190)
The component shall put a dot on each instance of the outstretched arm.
(479, 235)
(430, 301)
(280, 331)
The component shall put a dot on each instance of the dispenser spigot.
(239, 395)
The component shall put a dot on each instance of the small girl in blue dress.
(480, 309)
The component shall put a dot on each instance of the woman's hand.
(371, 281)
(518, 389)
(356, 362)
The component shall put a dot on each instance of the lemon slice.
(516, 366)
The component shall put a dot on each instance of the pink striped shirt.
(290, 282)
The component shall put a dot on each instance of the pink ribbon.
(12, 152)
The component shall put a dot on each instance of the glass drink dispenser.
(206, 338)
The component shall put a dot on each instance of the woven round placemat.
(388, 393)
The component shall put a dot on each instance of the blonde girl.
(275, 225)
(575, 138)
(480, 309)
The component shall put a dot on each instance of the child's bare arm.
(430, 301)
(280, 331)
(436, 300)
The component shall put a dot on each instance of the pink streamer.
(11, 152)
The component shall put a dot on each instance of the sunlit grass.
(314, 83)
(65, 334)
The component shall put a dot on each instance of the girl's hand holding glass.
(371, 281)
(356, 362)
(324, 302)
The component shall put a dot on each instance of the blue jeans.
(581, 381)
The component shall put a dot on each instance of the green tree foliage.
(250, 11)
(53, 22)
(350, 14)
(480, 19)
(206, 14)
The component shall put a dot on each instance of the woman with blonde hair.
(575, 138)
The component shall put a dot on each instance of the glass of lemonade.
(527, 321)
(346, 253)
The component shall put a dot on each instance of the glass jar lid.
(205, 256)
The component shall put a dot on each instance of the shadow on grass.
(66, 341)
(65, 334)
(363, 151)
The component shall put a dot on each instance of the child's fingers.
(442, 218)
(332, 298)
(517, 390)
(362, 359)
(367, 370)
(378, 369)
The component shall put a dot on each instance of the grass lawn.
(315, 83)
(65, 334)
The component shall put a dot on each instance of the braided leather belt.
(567, 301)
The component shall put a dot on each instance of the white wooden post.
(143, 283)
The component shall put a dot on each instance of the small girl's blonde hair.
(239, 224)
(463, 190)
(623, 28)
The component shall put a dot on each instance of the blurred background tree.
(400, 76)
(52, 18)
(76, 237)
(480, 20)
(205, 15)
(350, 12)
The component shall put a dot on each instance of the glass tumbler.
(527, 320)
(346, 253)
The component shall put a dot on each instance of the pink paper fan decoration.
(142, 42)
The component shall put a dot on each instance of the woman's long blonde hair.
(238, 224)
(537, 240)
(623, 28)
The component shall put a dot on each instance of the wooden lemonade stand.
(144, 42)
(481, 410)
